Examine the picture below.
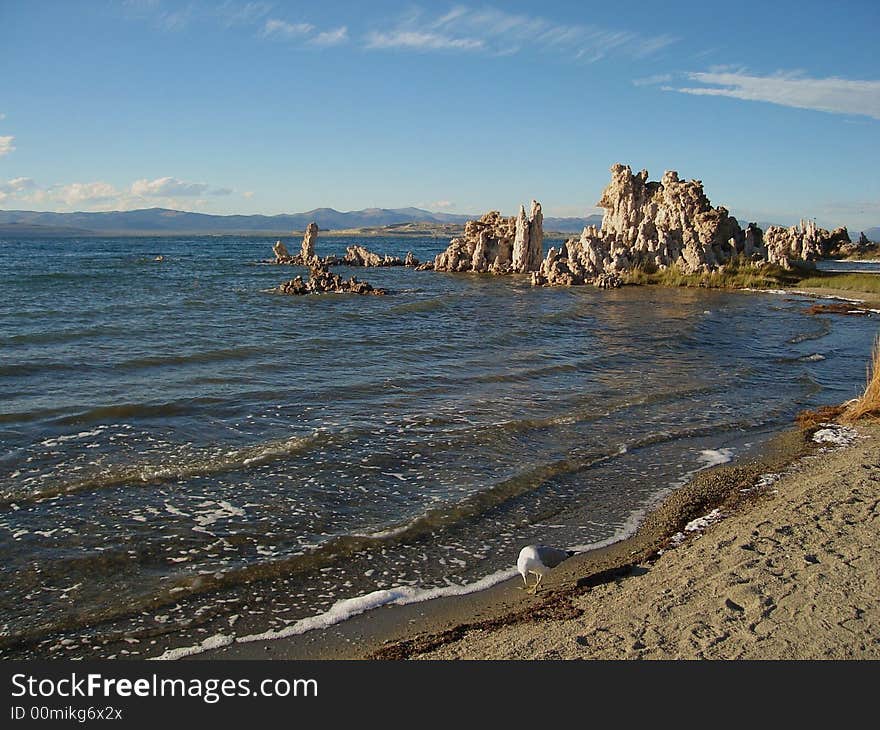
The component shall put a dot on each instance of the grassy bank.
(743, 275)
(736, 275)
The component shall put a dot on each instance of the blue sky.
(273, 107)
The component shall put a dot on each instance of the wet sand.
(788, 572)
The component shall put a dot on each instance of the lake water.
(184, 455)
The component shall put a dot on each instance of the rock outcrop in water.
(307, 251)
(307, 255)
(323, 281)
(360, 256)
(653, 225)
(497, 244)
(354, 255)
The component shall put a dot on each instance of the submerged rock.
(497, 244)
(323, 281)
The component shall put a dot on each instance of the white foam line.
(342, 610)
(212, 642)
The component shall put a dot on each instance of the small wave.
(198, 466)
(232, 353)
(128, 411)
(423, 305)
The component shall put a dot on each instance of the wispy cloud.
(6, 145)
(503, 33)
(420, 40)
(233, 14)
(835, 95)
(156, 12)
(331, 37)
(283, 29)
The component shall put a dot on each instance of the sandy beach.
(791, 574)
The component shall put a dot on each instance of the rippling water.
(183, 453)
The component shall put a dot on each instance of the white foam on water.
(342, 610)
(212, 642)
(72, 437)
(400, 596)
(222, 511)
(715, 457)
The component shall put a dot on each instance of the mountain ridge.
(166, 221)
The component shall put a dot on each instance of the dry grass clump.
(867, 405)
(809, 420)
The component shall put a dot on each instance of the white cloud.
(79, 193)
(6, 145)
(164, 192)
(248, 194)
(834, 94)
(331, 37)
(2, 116)
(17, 185)
(503, 33)
(283, 29)
(166, 186)
(441, 205)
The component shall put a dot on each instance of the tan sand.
(794, 574)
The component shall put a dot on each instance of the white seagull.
(539, 559)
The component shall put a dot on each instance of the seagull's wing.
(551, 556)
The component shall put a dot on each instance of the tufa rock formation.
(323, 281)
(354, 255)
(307, 251)
(805, 242)
(654, 225)
(360, 256)
(307, 254)
(497, 244)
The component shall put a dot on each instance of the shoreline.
(787, 573)
(394, 631)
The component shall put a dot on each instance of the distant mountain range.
(165, 222)
(162, 221)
